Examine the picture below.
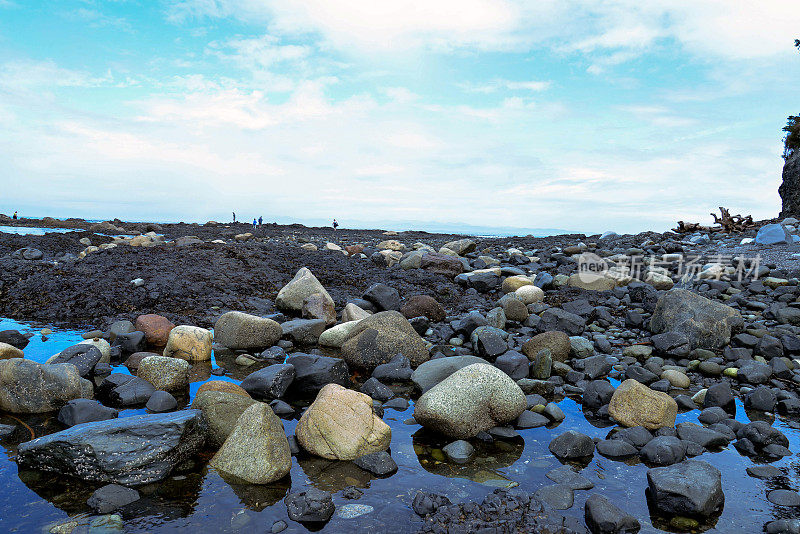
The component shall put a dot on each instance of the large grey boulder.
(471, 400)
(221, 410)
(132, 451)
(237, 330)
(164, 373)
(30, 387)
(379, 338)
(773, 234)
(257, 449)
(434, 371)
(688, 488)
(303, 285)
(707, 324)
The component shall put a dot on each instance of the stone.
(580, 347)
(397, 370)
(378, 463)
(720, 395)
(705, 437)
(271, 382)
(352, 312)
(257, 450)
(442, 264)
(603, 517)
(459, 451)
(564, 321)
(773, 234)
(566, 475)
(788, 190)
(461, 246)
(160, 402)
(340, 425)
(753, 372)
(378, 338)
(690, 488)
(223, 386)
(558, 343)
(376, 390)
(761, 398)
(671, 344)
(310, 506)
(557, 496)
(471, 400)
(512, 283)
(131, 451)
(676, 378)
(125, 390)
(14, 338)
(423, 305)
(515, 310)
(542, 365)
(190, 343)
(597, 393)
(663, 450)
(571, 445)
(30, 387)
(596, 366)
(221, 410)
(634, 404)
(513, 364)
(242, 331)
(383, 297)
(112, 497)
(434, 371)
(84, 357)
(304, 331)
(529, 419)
(489, 342)
(784, 497)
(337, 335)
(292, 295)
(27, 253)
(164, 373)
(615, 448)
(705, 323)
(79, 411)
(156, 329)
(313, 372)
(10, 351)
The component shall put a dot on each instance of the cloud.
(498, 84)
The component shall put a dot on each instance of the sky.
(583, 115)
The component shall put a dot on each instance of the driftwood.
(726, 222)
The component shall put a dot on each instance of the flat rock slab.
(783, 497)
(559, 496)
(764, 471)
(567, 476)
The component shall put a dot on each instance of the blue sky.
(584, 115)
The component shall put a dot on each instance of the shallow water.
(32, 502)
(30, 230)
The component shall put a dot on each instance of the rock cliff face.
(790, 188)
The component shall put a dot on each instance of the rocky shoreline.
(484, 336)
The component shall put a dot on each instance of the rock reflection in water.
(333, 475)
(483, 468)
(256, 497)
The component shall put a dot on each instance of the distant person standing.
(255, 223)
(260, 221)
(335, 224)
(234, 216)
(15, 215)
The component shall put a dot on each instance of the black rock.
(598, 392)
(616, 448)
(638, 436)
(79, 411)
(705, 437)
(310, 506)
(112, 497)
(131, 342)
(281, 408)
(376, 390)
(383, 297)
(398, 369)
(761, 434)
(468, 323)
(83, 356)
(161, 401)
(14, 338)
(131, 451)
(753, 372)
(427, 503)
(603, 517)
(663, 450)
(671, 345)
(398, 403)
(685, 403)
(558, 319)
(558, 496)
(271, 382)
(720, 395)
(566, 475)
(712, 415)
(783, 526)
(640, 374)
(784, 497)
(378, 463)
(761, 398)
(596, 366)
(125, 390)
(6, 431)
(459, 451)
(690, 488)
(313, 372)
(514, 364)
(764, 471)
(572, 445)
(529, 419)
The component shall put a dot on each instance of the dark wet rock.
(423, 306)
(278, 526)
(304, 331)
(83, 356)
(671, 344)
(378, 463)
(753, 372)
(271, 382)
(313, 372)
(398, 403)
(616, 448)
(14, 338)
(379, 338)
(597, 393)
(131, 451)
(489, 342)
(383, 297)
(705, 323)
(566, 475)
(514, 364)
(705, 437)
(542, 365)
(764, 471)
(784, 497)
(563, 321)
(6, 431)
(603, 517)
(378, 391)
(761, 398)
(638, 436)
(427, 503)
(161, 401)
(762, 434)
(783, 526)
(558, 496)
(112, 497)
(310, 506)
(79, 411)
(28, 253)
(554, 412)
(690, 488)
(398, 369)
(529, 419)
(459, 451)
(720, 394)
(131, 342)
(685, 403)
(125, 390)
(503, 432)
(30, 387)
(281, 409)
(640, 374)
(712, 415)
(663, 450)
(571, 445)
(596, 366)
(434, 371)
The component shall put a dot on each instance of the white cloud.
(512, 85)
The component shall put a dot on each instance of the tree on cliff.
(791, 142)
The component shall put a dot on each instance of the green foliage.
(791, 142)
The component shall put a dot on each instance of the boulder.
(434, 371)
(14, 338)
(461, 246)
(241, 331)
(707, 324)
(161, 401)
(423, 306)
(337, 335)
(310, 506)
(125, 390)
(293, 294)
(471, 400)
(10, 351)
(316, 306)
(378, 338)
(79, 411)
(442, 264)
(270, 382)
(30, 387)
(190, 343)
(603, 517)
(773, 234)
(558, 343)
(689, 488)
(634, 404)
(340, 425)
(304, 331)
(313, 372)
(164, 373)
(155, 327)
(131, 451)
(84, 357)
(221, 411)
(257, 450)
(223, 386)
(383, 297)
(571, 445)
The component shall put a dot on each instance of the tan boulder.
(292, 295)
(340, 425)
(223, 387)
(512, 283)
(555, 341)
(316, 306)
(352, 312)
(9, 351)
(634, 404)
(190, 343)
